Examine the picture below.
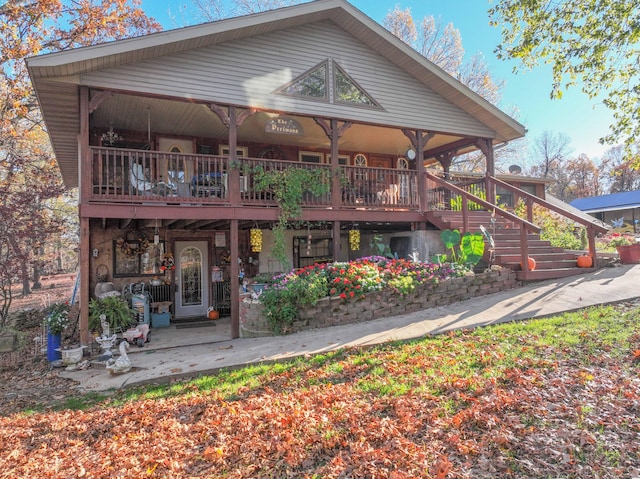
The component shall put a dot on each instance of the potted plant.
(628, 249)
(260, 281)
(57, 319)
(118, 313)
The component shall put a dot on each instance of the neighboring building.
(620, 210)
(165, 134)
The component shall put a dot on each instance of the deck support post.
(85, 190)
(234, 272)
(486, 146)
(334, 133)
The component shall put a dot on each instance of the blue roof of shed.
(615, 201)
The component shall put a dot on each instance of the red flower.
(343, 296)
(352, 294)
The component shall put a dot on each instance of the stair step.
(543, 265)
(500, 250)
(538, 275)
(533, 243)
(539, 257)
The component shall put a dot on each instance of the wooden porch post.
(486, 146)
(336, 240)
(235, 288)
(85, 234)
(232, 120)
(334, 133)
(419, 140)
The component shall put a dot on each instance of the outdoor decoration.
(531, 263)
(71, 357)
(167, 263)
(107, 340)
(584, 261)
(134, 243)
(255, 239)
(122, 364)
(354, 239)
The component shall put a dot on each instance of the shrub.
(303, 287)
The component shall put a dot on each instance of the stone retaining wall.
(334, 311)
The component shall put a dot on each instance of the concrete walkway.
(175, 353)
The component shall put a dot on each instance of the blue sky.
(582, 119)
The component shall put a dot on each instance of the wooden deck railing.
(134, 176)
(439, 184)
(530, 200)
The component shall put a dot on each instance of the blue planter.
(53, 343)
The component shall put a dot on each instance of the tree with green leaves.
(593, 44)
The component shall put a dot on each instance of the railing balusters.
(180, 174)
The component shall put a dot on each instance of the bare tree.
(550, 150)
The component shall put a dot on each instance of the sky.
(582, 119)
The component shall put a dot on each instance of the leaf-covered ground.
(549, 398)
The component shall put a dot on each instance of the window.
(342, 159)
(131, 261)
(311, 84)
(328, 81)
(311, 157)
(348, 91)
(241, 151)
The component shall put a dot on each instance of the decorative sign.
(284, 126)
(220, 240)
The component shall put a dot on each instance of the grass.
(554, 397)
(429, 365)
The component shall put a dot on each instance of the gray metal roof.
(56, 76)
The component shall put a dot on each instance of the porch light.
(255, 239)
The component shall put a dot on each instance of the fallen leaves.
(402, 411)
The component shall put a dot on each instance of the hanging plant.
(354, 240)
(255, 239)
(138, 245)
(288, 187)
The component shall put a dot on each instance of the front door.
(192, 280)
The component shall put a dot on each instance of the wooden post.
(336, 241)
(85, 233)
(234, 271)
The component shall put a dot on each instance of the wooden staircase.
(551, 262)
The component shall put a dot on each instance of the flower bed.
(361, 291)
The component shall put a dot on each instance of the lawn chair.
(141, 185)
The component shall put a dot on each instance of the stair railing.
(526, 226)
(591, 226)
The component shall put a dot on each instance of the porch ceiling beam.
(454, 146)
(98, 98)
(226, 119)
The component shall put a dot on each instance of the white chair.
(143, 186)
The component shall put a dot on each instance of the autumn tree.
(29, 178)
(623, 176)
(590, 43)
(442, 44)
(212, 10)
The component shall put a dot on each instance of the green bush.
(119, 315)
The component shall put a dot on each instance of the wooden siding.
(247, 71)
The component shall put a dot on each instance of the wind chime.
(354, 239)
(309, 237)
(255, 239)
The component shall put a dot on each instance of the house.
(621, 210)
(166, 134)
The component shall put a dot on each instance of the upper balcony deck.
(131, 177)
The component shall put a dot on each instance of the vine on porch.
(288, 187)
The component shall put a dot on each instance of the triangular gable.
(316, 83)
